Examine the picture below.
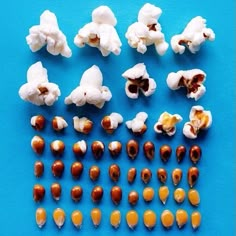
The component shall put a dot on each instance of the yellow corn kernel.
(179, 195)
(148, 194)
(181, 217)
(40, 217)
(167, 218)
(77, 218)
(149, 219)
(132, 218)
(194, 197)
(115, 218)
(163, 193)
(195, 219)
(96, 216)
(59, 217)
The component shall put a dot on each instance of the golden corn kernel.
(148, 194)
(149, 219)
(59, 217)
(179, 195)
(181, 217)
(77, 218)
(115, 218)
(195, 219)
(167, 218)
(40, 217)
(194, 197)
(176, 176)
(163, 193)
(96, 216)
(132, 218)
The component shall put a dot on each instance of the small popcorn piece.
(111, 122)
(193, 36)
(101, 32)
(48, 33)
(138, 79)
(38, 90)
(137, 125)
(199, 119)
(90, 90)
(166, 123)
(191, 79)
(147, 31)
(82, 125)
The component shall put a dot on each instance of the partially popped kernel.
(191, 79)
(38, 90)
(82, 125)
(48, 33)
(111, 122)
(137, 125)
(199, 119)
(101, 32)
(193, 36)
(147, 31)
(166, 123)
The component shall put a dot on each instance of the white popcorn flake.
(38, 90)
(137, 125)
(101, 32)
(48, 33)
(147, 31)
(193, 36)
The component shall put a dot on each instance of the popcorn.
(100, 33)
(111, 122)
(191, 79)
(147, 31)
(48, 33)
(90, 90)
(194, 34)
(166, 123)
(38, 90)
(137, 125)
(82, 125)
(138, 79)
(199, 119)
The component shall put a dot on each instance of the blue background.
(217, 167)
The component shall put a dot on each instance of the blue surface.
(217, 167)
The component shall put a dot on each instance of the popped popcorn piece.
(137, 125)
(147, 31)
(82, 125)
(193, 36)
(90, 90)
(199, 119)
(48, 33)
(38, 90)
(111, 122)
(101, 32)
(138, 79)
(166, 123)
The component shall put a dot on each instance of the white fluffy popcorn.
(166, 123)
(82, 125)
(191, 79)
(48, 33)
(90, 90)
(193, 36)
(147, 31)
(38, 90)
(111, 122)
(138, 79)
(101, 32)
(137, 125)
(199, 119)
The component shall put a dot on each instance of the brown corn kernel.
(59, 123)
(133, 197)
(167, 218)
(59, 217)
(132, 149)
(149, 219)
(163, 193)
(148, 194)
(131, 175)
(115, 148)
(97, 194)
(57, 168)
(38, 168)
(195, 219)
(76, 169)
(165, 152)
(37, 122)
(79, 148)
(176, 176)
(180, 153)
(97, 149)
(195, 153)
(38, 192)
(96, 216)
(116, 194)
(146, 175)
(179, 195)
(106, 124)
(57, 147)
(194, 197)
(114, 172)
(132, 218)
(76, 193)
(94, 173)
(56, 191)
(193, 174)
(181, 217)
(149, 150)
(162, 175)
(40, 217)
(37, 144)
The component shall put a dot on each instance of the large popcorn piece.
(110, 123)
(90, 90)
(191, 79)
(166, 123)
(137, 125)
(138, 79)
(199, 119)
(38, 90)
(101, 32)
(192, 37)
(48, 33)
(147, 31)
